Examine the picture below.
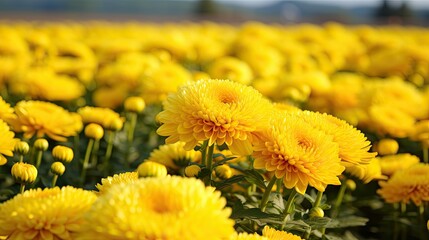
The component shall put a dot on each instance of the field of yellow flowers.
(210, 131)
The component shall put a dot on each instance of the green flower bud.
(317, 212)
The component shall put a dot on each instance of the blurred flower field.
(213, 131)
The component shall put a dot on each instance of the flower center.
(228, 97)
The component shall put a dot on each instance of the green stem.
(54, 180)
(21, 158)
(318, 199)
(209, 161)
(94, 153)
(86, 161)
(109, 149)
(289, 204)
(39, 155)
(267, 192)
(132, 126)
(203, 150)
(339, 200)
(22, 188)
(425, 153)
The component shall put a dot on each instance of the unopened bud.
(58, 168)
(151, 169)
(24, 173)
(62, 154)
(22, 148)
(94, 131)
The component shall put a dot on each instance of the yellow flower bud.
(58, 168)
(41, 144)
(115, 125)
(223, 171)
(94, 131)
(192, 170)
(387, 146)
(351, 184)
(22, 148)
(316, 212)
(151, 169)
(24, 173)
(134, 104)
(62, 154)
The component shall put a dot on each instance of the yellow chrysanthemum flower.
(219, 111)
(298, 153)
(273, 234)
(52, 213)
(353, 144)
(45, 84)
(386, 119)
(6, 111)
(108, 182)
(411, 184)
(159, 208)
(105, 117)
(174, 156)
(393, 163)
(247, 236)
(231, 68)
(367, 172)
(40, 118)
(7, 142)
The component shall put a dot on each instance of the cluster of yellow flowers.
(286, 106)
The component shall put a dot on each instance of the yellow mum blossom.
(231, 68)
(7, 142)
(367, 172)
(110, 97)
(105, 117)
(40, 118)
(174, 155)
(393, 163)
(164, 80)
(411, 184)
(108, 182)
(298, 153)
(273, 234)
(194, 211)
(246, 236)
(386, 119)
(45, 84)
(6, 111)
(219, 111)
(352, 143)
(52, 213)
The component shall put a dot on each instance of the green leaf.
(350, 221)
(252, 176)
(318, 222)
(228, 182)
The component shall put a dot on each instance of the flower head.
(7, 142)
(298, 153)
(195, 212)
(6, 112)
(353, 144)
(273, 234)
(108, 182)
(151, 169)
(411, 184)
(105, 117)
(393, 163)
(219, 111)
(174, 155)
(40, 118)
(52, 213)
(62, 153)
